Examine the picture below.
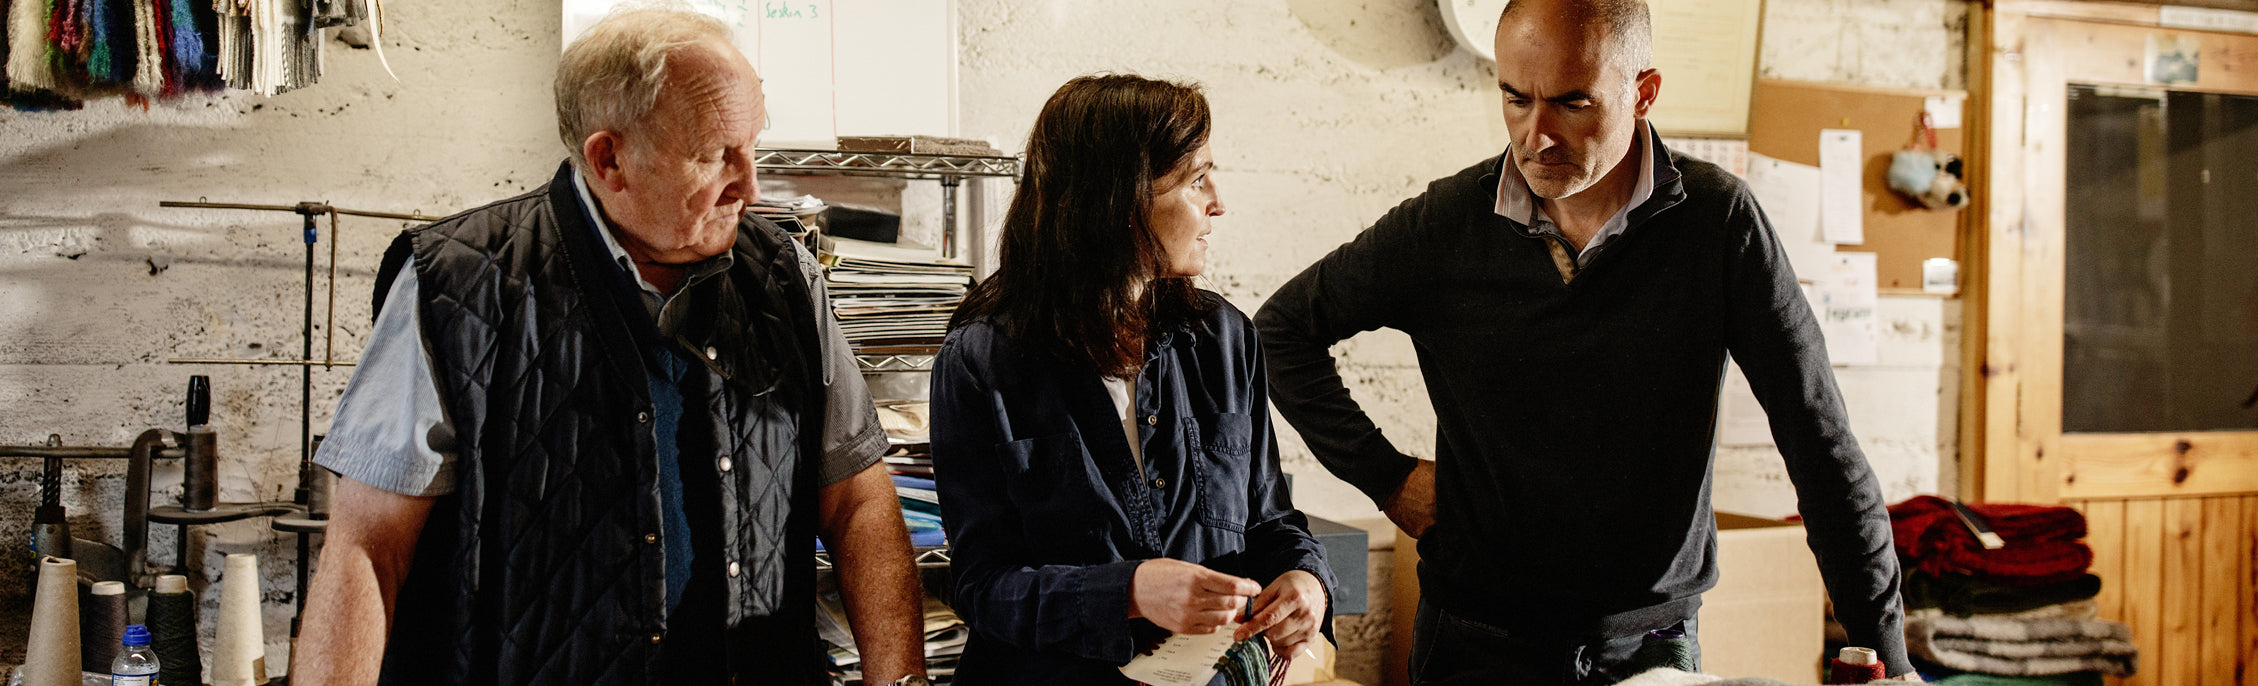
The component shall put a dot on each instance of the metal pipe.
(294, 208)
(311, 363)
(144, 451)
(329, 325)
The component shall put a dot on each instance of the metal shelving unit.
(950, 170)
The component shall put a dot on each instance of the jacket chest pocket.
(1051, 483)
(1222, 461)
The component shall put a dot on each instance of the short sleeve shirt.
(391, 432)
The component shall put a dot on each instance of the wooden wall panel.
(2179, 660)
(2249, 591)
(2218, 619)
(2105, 533)
(2143, 584)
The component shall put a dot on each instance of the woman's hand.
(1289, 611)
(1186, 598)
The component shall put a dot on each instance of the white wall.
(1328, 112)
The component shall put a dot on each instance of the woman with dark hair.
(1101, 431)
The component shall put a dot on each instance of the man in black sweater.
(1572, 302)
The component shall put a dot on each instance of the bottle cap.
(137, 635)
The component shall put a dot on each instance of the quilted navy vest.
(545, 565)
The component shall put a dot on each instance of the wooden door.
(2089, 337)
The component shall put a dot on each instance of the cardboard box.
(1766, 617)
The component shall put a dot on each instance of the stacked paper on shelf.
(797, 216)
(945, 636)
(892, 297)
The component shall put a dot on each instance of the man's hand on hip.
(1413, 505)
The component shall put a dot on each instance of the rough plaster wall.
(102, 286)
(1328, 112)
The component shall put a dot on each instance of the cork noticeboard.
(1785, 118)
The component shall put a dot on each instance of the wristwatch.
(912, 680)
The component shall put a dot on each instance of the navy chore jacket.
(1048, 515)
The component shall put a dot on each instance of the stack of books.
(892, 299)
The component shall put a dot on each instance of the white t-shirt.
(1124, 394)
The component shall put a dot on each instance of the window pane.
(2160, 300)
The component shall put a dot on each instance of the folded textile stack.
(2018, 612)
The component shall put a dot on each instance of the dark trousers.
(1448, 650)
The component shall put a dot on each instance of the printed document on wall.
(1789, 195)
(1841, 191)
(1845, 299)
(1740, 418)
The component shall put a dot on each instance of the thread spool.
(1855, 666)
(172, 623)
(51, 657)
(200, 482)
(199, 400)
(101, 624)
(239, 651)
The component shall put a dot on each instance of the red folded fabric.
(2043, 544)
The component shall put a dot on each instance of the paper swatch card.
(1846, 299)
(1841, 192)
(1183, 659)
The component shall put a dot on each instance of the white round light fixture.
(1473, 23)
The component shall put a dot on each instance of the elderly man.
(599, 427)
(1572, 302)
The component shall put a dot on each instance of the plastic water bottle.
(136, 665)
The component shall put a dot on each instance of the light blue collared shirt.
(390, 430)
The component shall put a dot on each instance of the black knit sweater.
(1575, 421)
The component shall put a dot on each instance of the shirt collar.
(697, 272)
(1516, 202)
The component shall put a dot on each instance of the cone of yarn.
(101, 625)
(172, 625)
(51, 656)
(1855, 666)
(239, 652)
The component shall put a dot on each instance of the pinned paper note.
(1183, 659)
(1846, 301)
(1841, 185)
(1789, 195)
(1943, 111)
(1740, 418)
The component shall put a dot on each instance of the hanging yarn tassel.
(172, 622)
(28, 67)
(102, 622)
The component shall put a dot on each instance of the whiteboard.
(835, 67)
